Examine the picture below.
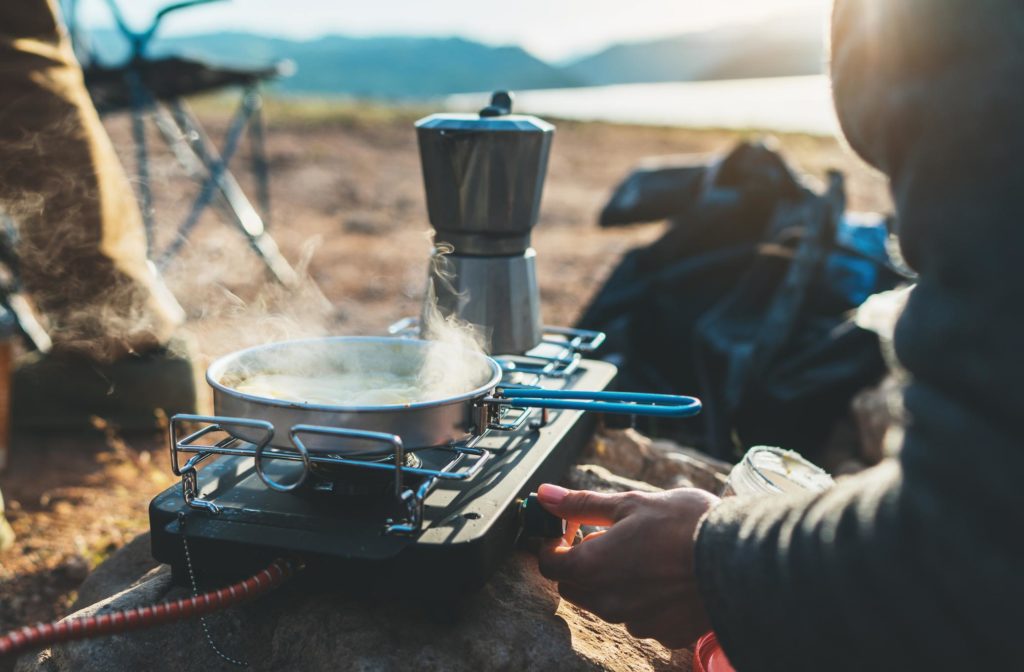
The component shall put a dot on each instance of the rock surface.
(516, 622)
(594, 477)
(629, 454)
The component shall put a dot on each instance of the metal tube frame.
(411, 499)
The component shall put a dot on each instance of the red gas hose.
(43, 634)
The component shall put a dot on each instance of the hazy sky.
(549, 28)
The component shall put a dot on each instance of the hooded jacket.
(917, 564)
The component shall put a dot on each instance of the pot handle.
(628, 403)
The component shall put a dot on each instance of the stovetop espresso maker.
(484, 175)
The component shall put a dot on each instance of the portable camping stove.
(434, 518)
(449, 512)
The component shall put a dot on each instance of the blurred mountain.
(377, 67)
(784, 45)
(422, 67)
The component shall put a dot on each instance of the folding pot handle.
(628, 403)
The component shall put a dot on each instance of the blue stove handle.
(629, 403)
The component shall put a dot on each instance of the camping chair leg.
(140, 106)
(216, 167)
(219, 179)
(258, 156)
(180, 144)
(11, 297)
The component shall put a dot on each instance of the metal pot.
(362, 430)
(420, 425)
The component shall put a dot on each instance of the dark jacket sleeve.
(917, 564)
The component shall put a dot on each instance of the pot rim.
(217, 369)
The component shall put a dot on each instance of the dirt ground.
(348, 209)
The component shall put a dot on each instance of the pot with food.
(425, 392)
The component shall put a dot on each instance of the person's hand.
(640, 572)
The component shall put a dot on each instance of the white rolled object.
(765, 470)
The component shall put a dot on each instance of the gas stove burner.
(343, 480)
(409, 459)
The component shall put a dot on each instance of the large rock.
(516, 622)
(629, 454)
(599, 479)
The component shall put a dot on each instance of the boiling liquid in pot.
(359, 373)
(337, 389)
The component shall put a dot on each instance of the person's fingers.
(575, 593)
(605, 606)
(662, 630)
(554, 546)
(648, 628)
(571, 530)
(585, 507)
(583, 564)
(557, 560)
(609, 606)
(595, 535)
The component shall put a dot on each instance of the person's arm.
(916, 564)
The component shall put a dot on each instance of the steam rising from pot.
(443, 369)
(372, 373)
(225, 314)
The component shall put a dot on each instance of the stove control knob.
(537, 522)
